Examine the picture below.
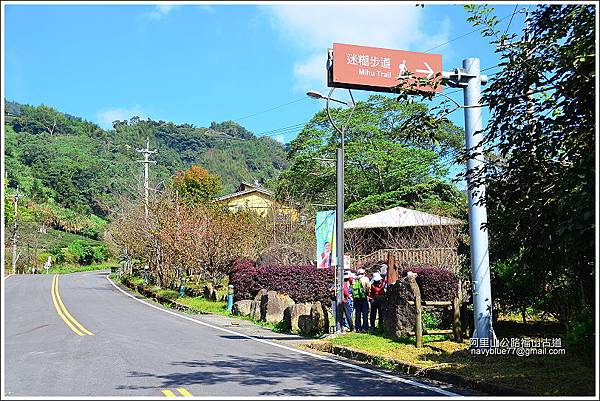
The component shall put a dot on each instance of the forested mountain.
(58, 158)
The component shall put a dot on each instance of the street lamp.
(339, 213)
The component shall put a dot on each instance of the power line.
(271, 109)
(462, 36)
(511, 18)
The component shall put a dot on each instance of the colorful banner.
(325, 233)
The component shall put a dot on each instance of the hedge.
(306, 283)
(303, 283)
(436, 284)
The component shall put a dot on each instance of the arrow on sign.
(428, 71)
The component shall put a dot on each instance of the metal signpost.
(384, 70)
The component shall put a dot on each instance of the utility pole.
(339, 200)
(146, 152)
(15, 237)
(470, 79)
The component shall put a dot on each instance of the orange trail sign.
(381, 70)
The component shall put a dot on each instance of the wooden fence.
(453, 305)
(440, 257)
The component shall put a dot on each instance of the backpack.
(358, 290)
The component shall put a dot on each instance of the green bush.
(85, 253)
(581, 334)
(431, 319)
(58, 255)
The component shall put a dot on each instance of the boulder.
(207, 290)
(318, 315)
(293, 313)
(316, 322)
(398, 316)
(272, 305)
(255, 310)
(260, 294)
(242, 307)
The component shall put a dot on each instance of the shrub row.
(79, 251)
(435, 284)
(306, 283)
(303, 283)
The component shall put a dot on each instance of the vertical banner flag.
(325, 233)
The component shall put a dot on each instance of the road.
(80, 335)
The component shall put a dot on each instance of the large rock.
(272, 305)
(292, 314)
(260, 294)
(316, 322)
(398, 316)
(207, 290)
(255, 310)
(242, 307)
(318, 314)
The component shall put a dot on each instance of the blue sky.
(213, 62)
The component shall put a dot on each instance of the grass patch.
(201, 304)
(169, 294)
(64, 269)
(52, 237)
(549, 375)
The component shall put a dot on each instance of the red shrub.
(435, 284)
(303, 283)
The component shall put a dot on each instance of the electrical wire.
(271, 109)
(511, 18)
(462, 36)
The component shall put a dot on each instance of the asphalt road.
(136, 349)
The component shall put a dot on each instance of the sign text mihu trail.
(378, 69)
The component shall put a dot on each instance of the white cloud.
(159, 12)
(314, 28)
(105, 117)
(280, 138)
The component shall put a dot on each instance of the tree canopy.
(56, 157)
(386, 164)
(540, 175)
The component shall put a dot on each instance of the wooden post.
(412, 278)
(456, 324)
(392, 273)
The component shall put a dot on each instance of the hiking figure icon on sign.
(402, 72)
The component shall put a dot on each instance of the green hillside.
(77, 165)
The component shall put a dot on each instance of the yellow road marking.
(83, 329)
(184, 392)
(62, 316)
(168, 393)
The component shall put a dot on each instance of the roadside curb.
(146, 292)
(355, 355)
(408, 368)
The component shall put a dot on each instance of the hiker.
(345, 305)
(351, 299)
(377, 294)
(360, 292)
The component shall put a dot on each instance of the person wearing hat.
(377, 295)
(345, 306)
(351, 278)
(360, 293)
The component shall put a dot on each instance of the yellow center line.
(184, 392)
(62, 316)
(83, 329)
(168, 393)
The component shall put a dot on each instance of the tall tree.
(541, 182)
(386, 163)
(196, 185)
